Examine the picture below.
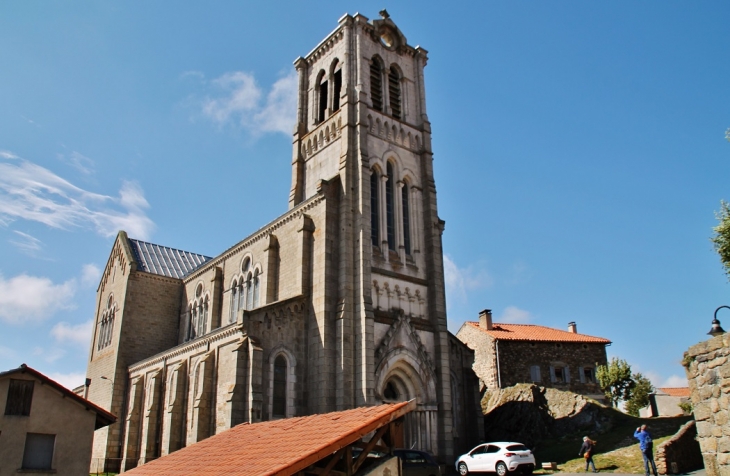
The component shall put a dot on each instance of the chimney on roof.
(485, 319)
(572, 328)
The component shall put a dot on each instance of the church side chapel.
(336, 304)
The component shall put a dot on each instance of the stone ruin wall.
(681, 453)
(708, 371)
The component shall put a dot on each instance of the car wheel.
(501, 469)
(463, 470)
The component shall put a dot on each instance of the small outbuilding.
(45, 427)
(666, 401)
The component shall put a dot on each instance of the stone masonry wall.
(708, 371)
(516, 358)
(681, 453)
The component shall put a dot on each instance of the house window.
(374, 209)
(535, 373)
(587, 374)
(394, 92)
(390, 207)
(20, 396)
(559, 373)
(376, 84)
(279, 401)
(38, 453)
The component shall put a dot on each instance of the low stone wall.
(681, 453)
(708, 372)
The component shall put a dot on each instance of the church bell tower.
(362, 127)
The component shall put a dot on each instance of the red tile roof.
(676, 391)
(534, 333)
(275, 447)
(103, 417)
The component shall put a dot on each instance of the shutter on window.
(567, 374)
(582, 375)
(537, 373)
(552, 374)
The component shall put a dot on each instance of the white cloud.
(90, 274)
(675, 381)
(49, 354)
(26, 298)
(70, 380)
(515, 315)
(64, 332)
(26, 243)
(78, 161)
(459, 281)
(239, 101)
(34, 193)
(6, 154)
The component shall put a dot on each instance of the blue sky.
(579, 156)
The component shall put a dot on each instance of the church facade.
(336, 304)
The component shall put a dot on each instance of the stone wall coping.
(715, 343)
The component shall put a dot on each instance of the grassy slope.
(616, 451)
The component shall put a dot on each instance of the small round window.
(199, 290)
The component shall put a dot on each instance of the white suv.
(500, 458)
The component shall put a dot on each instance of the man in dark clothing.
(646, 445)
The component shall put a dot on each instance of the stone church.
(336, 304)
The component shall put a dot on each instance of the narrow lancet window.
(322, 101)
(376, 85)
(406, 220)
(337, 89)
(389, 208)
(374, 208)
(394, 92)
(279, 403)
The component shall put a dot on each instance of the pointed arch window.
(202, 316)
(322, 106)
(394, 92)
(374, 208)
(234, 301)
(256, 286)
(279, 398)
(406, 219)
(106, 326)
(390, 207)
(249, 291)
(376, 84)
(337, 87)
(192, 328)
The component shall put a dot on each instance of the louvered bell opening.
(394, 90)
(376, 86)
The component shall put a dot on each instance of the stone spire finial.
(384, 14)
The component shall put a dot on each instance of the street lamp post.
(716, 327)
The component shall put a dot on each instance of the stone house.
(336, 304)
(665, 402)
(45, 427)
(508, 354)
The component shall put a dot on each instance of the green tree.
(639, 395)
(615, 380)
(721, 239)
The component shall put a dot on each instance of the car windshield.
(517, 448)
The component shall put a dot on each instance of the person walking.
(587, 451)
(646, 445)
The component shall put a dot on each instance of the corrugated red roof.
(676, 391)
(279, 447)
(531, 332)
